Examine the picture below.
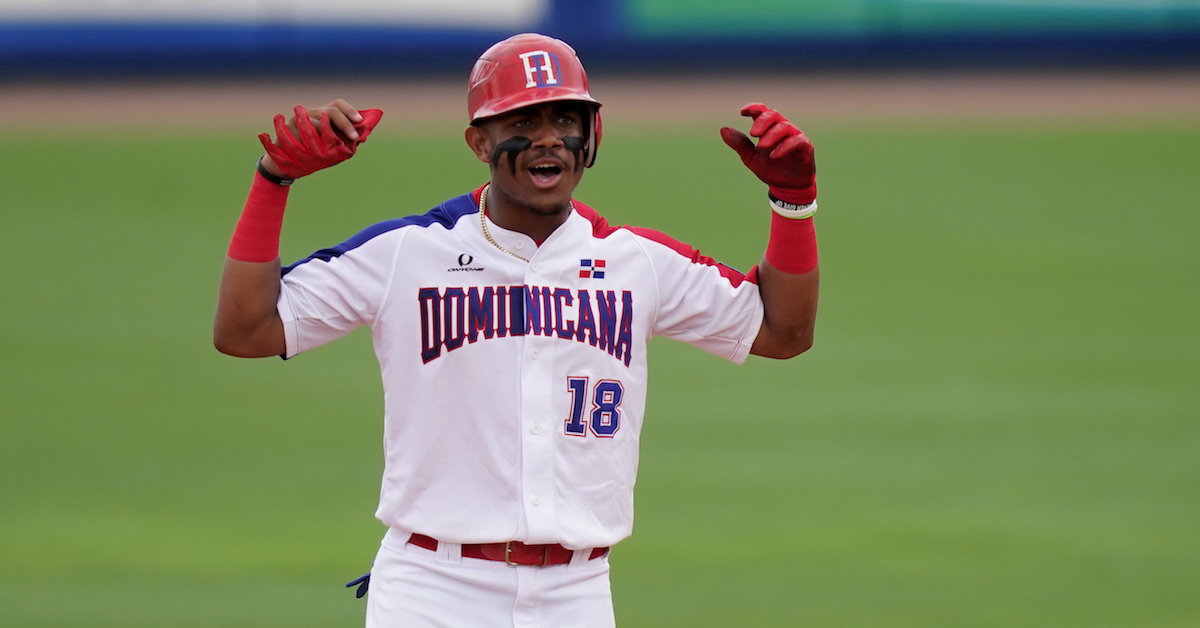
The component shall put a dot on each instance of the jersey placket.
(536, 480)
(537, 435)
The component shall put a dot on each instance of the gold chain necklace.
(483, 223)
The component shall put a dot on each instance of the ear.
(480, 143)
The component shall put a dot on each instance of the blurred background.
(999, 424)
(432, 36)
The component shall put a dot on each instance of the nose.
(544, 135)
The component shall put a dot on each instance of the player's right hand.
(302, 147)
(783, 158)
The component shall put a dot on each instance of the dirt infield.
(933, 97)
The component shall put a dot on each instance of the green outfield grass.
(998, 425)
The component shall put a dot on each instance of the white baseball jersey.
(514, 391)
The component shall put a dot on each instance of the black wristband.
(266, 174)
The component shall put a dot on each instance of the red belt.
(513, 552)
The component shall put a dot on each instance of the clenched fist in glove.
(340, 129)
(783, 158)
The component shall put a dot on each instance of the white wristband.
(791, 210)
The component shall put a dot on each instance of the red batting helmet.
(531, 69)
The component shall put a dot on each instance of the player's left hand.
(783, 158)
(301, 148)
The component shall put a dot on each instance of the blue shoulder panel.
(445, 215)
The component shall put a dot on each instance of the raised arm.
(790, 312)
(247, 323)
(788, 277)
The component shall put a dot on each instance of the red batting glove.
(783, 158)
(316, 148)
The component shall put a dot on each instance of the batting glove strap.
(791, 210)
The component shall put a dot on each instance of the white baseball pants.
(412, 587)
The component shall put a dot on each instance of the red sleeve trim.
(601, 229)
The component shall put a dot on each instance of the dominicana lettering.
(453, 317)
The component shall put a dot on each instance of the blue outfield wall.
(636, 36)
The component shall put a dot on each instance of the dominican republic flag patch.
(591, 269)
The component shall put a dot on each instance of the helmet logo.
(541, 69)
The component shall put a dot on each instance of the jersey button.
(537, 501)
(519, 245)
(535, 428)
(534, 354)
(533, 267)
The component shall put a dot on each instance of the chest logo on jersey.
(464, 265)
(591, 268)
(454, 317)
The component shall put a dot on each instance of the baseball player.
(511, 325)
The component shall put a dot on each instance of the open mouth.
(545, 175)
